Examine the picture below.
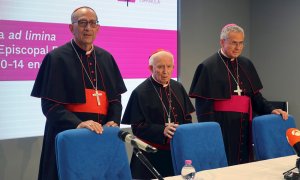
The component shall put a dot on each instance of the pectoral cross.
(97, 96)
(238, 90)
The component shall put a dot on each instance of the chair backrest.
(269, 136)
(83, 154)
(200, 142)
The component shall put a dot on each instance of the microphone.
(135, 142)
(293, 137)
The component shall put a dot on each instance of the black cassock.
(147, 116)
(62, 81)
(213, 82)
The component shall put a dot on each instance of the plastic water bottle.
(188, 171)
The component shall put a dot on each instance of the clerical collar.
(90, 51)
(82, 51)
(223, 54)
(163, 85)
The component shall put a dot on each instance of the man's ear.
(98, 28)
(222, 41)
(71, 28)
(150, 68)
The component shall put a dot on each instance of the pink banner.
(23, 46)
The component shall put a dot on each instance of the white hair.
(159, 54)
(230, 28)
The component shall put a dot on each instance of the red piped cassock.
(213, 88)
(147, 117)
(67, 96)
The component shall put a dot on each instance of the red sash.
(91, 105)
(235, 104)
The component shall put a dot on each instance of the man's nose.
(165, 69)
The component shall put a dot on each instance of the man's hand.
(91, 125)
(170, 129)
(111, 124)
(283, 114)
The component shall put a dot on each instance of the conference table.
(270, 169)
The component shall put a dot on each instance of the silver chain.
(84, 67)
(170, 100)
(237, 70)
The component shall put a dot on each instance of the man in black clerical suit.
(80, 86)
(155, 109)
(227, 88)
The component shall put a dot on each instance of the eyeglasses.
(236, 44)
(84, 23)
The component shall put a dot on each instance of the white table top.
(271, 169)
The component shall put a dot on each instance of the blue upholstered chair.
(83, 154)
(200, 142)
(269, 136)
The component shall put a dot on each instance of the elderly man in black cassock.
(155, 109)
(227, 88)
(80, 86)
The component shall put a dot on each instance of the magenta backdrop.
(130, 47)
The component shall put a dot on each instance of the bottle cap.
(188, 162)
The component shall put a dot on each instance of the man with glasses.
(226, 88)
(80, 86)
